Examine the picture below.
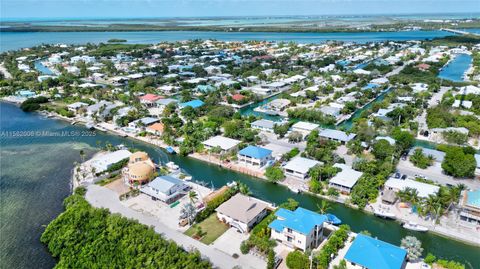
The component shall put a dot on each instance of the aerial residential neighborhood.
(242, 142)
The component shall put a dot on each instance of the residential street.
(103, 197)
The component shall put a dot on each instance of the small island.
(116, 40)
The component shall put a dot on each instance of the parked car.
(278, 261)
(397, 175)
(404, 177)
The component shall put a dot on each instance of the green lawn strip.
(211, 227)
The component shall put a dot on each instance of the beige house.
(242, 212)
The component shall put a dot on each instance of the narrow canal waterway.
(36, 172)
(456, 68)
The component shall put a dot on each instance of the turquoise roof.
(375, 254)
(301, 220)
(193, 104)
(473, 198)
(255, 152)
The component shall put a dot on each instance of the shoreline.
(367, 209)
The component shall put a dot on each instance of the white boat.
(414, 227)
(90, 125)
(187, 178)
(172, 166)
(384, 214)
(232, 184)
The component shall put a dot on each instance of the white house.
(304, 127)
(224, 143)
(298, 167)
(103, 162)
(345, 179)
(254, 156)
(423, 189)
(263, 125)
(336, 135)
(165, 188)
(242, 212)
(299, 229)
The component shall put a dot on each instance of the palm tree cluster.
(433, 206)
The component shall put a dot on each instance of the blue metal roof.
(381, 255)
(193, 104)
(301, 220)
(255, 152)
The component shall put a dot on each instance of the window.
(289, 239)
(289, 230)
(299, 241)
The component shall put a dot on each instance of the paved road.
(435, 173)
(103, 197)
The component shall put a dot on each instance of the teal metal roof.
(375, 254)
(301, 220)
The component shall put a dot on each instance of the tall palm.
(323, 207)
(193, 196)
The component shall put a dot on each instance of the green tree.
(274, 173)
(297, 260)
(459, 164)
(382, 149)
(413, 246)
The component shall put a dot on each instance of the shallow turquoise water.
(17, 40)
(35, 179)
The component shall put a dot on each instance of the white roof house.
(304, 127)
(103, 162)
(424, 189)
(224, 143)
(165, 188)
(336, 135)
(299, 167)
(264, 125)
(345, 179)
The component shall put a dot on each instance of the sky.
(28, 9)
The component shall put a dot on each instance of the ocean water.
(17, 40)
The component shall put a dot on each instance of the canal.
(456, 68)
(36, 178)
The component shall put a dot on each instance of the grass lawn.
(212, 229)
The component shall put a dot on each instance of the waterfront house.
(423, 189)
(242, 212)
(299, 229)
(156, 128)
(74, 107)
(103, 162)
(254, 156)
(263, 125)
(370, 253)
(167, 189)
(192, 104)
(344, 180)
(437, 155)
(140, 124)
(298, 167)
(470, 206)
(224, 143)
(304, 128)
(140, 168)
(336, 135)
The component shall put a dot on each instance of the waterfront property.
(345, 179)
(192, 104)
(298, 167)
(254, 156)
(165, 188)
(368, 252)
(470, 206)
(140, 169)
(225, 144)
(304, 128)
(103, 162)
(299, 229)
(423, 189)
(242, 212)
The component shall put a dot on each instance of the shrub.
(330, 249)
(297, 260)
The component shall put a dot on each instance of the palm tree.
(193, 196)
(323, 207)
(413, 246)
(242, 188)
(189, 211)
